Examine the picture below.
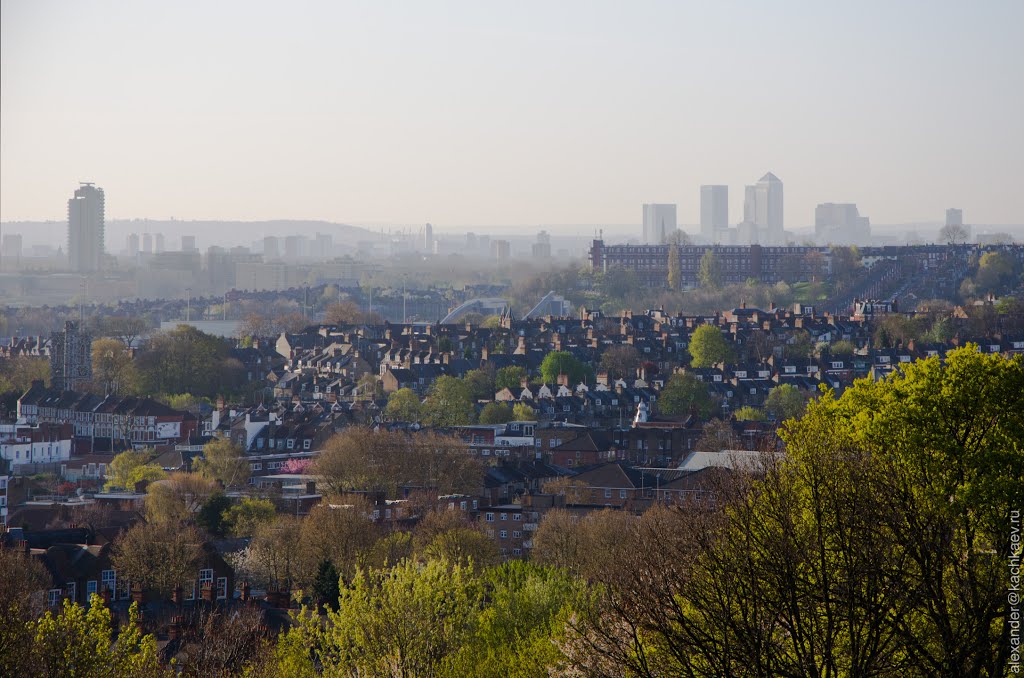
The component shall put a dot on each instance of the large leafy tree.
(178, 498)
(708, 347)
(496, 413)
(403, 621)
(185, 360)
(403, 405)
(23, 577)
(563, 362)
(383, 461)
(225, 462)
(160, 556)
(510, 377)
(675, 271)
(523, 412)
(480, 384)
(710, 272)
(131, 467)
(80, 642)
(449, 403)
(242, 519)
(684, 393)
(877, 546)
(112, 366)
(517, 633)
(621, 362)
(785, 401)
(18, 373)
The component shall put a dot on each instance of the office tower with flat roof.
(954, 217)
(85, 228)
(750, 204)
(271, 249)
(768, 212)
(714, 212)
(132, 244)
(428, 238)
(501, 250)
(840, 224)
(542, 248)
(659, 222)
(188, 243)
(324, 246)
(12, 246)
(294, 247)
(158, 243)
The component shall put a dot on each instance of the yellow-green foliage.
(79, 642)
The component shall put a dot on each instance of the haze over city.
(474, 339)
(473, 115)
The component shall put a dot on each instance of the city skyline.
(486, 116)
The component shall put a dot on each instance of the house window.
(222, 588)
(504, 516)
(72, 590)
(53, 597)
(517, 516)
(291, 443)
(516, 534)
(205, 577)
(490, 517)
(622, 494)
(503, 534)
(306, 443)
(90, 587)
(192, 590)
(109, 579)
(256, 466)
(517, 552)
(607, 494)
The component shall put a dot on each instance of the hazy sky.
(510, 113)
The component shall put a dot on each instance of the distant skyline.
(460, 113)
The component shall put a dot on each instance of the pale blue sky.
(513, 113)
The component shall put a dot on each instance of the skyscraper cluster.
(762, 214)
